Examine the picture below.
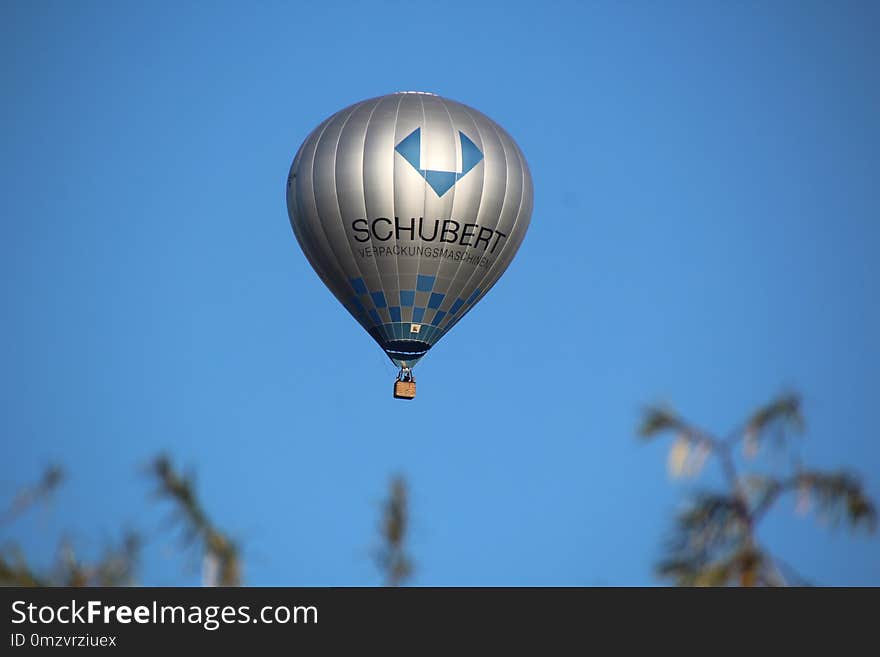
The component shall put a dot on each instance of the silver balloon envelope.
(409, 207)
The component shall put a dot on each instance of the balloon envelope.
(409, 207)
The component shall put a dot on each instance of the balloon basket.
(404, 389)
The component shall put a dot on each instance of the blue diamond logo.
(440, 181)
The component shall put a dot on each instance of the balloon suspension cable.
(405, 374)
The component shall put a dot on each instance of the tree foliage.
(221, 554)
(392, 558)
(117, 564)
(714, 541)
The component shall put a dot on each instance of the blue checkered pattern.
(372, 309)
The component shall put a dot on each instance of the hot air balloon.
(409, 207)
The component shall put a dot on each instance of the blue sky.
(705, 233)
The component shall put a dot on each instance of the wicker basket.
(404, 389)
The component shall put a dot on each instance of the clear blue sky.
(705, 233)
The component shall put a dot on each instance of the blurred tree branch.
(115, 567)
(223, 565)
(715, 541)
(29, 496)
(118, 562)
(15, 571)
(392, 558)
